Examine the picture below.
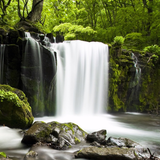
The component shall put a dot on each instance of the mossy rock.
(29, 26)
(57, 135)
(15, 111)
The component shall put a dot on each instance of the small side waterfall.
(2, 50)
(137, 73)
(82, 77)
(133, 98)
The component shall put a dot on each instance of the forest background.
(98, 20)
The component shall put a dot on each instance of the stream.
(142, 128)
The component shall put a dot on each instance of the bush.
(154, 49)
(72, 32)
(118, 41)
(134, 40)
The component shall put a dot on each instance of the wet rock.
(56, 135)
(31, 155)
(98, 136)
(121, 142)
(113, 153)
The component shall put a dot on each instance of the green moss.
(15, 110)
(76, 140)
(10, 96)
(16, 92)
(69, 126)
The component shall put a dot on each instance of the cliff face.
(20, 69)
(133, 84)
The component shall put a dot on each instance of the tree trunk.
(35, 14)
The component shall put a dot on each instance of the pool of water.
(142, 128)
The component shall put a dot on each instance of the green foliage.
(155, 58)
(155, 49)
(118, 41)
(70, 36)
(2, 154)
(108, 18)
(134, 40)
(72, 32)
(62, 28)
(115, 102)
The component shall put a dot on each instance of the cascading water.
(138, 70)
(82, 77)
(134, 87)
(2, 49)
(32, 72)
(38, 70)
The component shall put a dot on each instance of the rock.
(31, 155)
(3, 37)
(113, 153)
(27, 26)
(12, 65)
(57, 135)
(15, 111)
(13, 36)
(99, 136)
(51, 38)
(122, 142)
(5, 158)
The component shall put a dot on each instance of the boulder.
(56, 135)
(121, 142)
(98, 136)
(15, 111)
(112, 153)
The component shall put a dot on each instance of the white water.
(2, 49)
(138, 71)
(82, 77)
(32, 65)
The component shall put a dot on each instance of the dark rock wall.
(14, 76)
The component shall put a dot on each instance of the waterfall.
(137, 75)
(133, 98)
(82, 77)
(31, 75)
(2, 50)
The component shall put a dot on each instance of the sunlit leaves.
(75, 31)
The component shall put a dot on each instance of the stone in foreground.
(112, 153)
(15, 111)
(56, 135)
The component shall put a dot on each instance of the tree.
(3, 9)
(35, 14)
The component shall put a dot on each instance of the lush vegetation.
(102, 20)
